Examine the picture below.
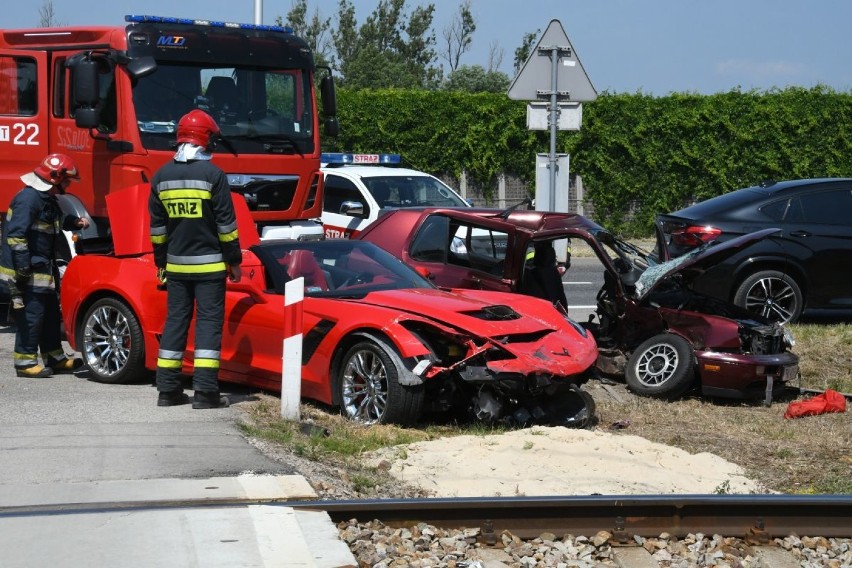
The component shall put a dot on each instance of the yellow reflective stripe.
(16, 241)
(25, 356)
(207, 363)
(195, 268)
(169, 363)
(184, 194)
(158, 239)
(44, 226)
(228, 237)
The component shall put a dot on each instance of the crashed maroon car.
(650, 325)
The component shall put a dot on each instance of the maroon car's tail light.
(694, 235)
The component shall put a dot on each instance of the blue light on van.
(335, 158)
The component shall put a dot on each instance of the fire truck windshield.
(259, 110)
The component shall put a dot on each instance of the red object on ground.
(829, 401)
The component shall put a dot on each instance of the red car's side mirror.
(424, 272)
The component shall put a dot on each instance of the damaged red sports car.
(380, 341)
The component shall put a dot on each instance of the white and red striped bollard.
(291, 358)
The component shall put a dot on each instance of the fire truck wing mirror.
(329, 96)
(86, 82)
(141, 66)
(87, 117)
(332, 127)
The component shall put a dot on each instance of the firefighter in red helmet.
(196, 247)
(28, 267)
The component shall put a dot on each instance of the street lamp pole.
(258, 12)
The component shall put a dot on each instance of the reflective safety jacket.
(33, 223)
(193, 224)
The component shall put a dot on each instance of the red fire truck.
(111, 97)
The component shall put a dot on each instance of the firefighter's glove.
(161, 275)
(24, 273)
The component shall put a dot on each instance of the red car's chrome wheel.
(112, 342)
(370, 392)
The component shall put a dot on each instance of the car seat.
(222, 94)
(381, 192)
(542, 279)
(302, 264)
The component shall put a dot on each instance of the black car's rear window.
(725, 202)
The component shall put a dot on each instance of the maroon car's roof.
(534, 221)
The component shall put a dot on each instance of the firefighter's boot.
(204, 399)
(172, 398)
(34, 372)
(67, 365)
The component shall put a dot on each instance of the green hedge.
(638, 155)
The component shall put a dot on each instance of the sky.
(625, 46)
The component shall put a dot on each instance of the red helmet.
(197, 127)
(56, 168)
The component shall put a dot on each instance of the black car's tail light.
(694, 235)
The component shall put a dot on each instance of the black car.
(806, 266)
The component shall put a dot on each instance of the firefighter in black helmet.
(196, 247)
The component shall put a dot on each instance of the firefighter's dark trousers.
(39, 326)
(208, 299)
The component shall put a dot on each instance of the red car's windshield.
(335, 268)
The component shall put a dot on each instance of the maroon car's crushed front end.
(736, 356)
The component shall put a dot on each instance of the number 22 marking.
(21, 139)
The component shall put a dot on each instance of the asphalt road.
(69, 428)
(582, 282)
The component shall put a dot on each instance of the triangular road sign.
(536, 75)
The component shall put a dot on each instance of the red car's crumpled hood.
(465, 309)
(540, 338)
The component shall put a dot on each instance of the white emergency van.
(359, 186)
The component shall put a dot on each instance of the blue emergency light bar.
(210, 23)
(339, 159)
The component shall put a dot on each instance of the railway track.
(777, 531)
(759, 517)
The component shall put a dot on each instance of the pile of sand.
(543, 461)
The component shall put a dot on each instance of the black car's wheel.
(111, 342)
(661, 367)
(369, 388)
(771, 294)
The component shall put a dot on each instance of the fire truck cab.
(111, 97)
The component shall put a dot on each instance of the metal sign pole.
(554, 123)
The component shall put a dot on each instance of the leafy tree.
(314, 31)
(389, 50)
(458, 36)
(475, 79)
(522, 53)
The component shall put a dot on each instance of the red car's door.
(252, 335)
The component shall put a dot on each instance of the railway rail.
(756, 517)
(649, 531)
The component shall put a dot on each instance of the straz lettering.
(335, 233)
(184, 207)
